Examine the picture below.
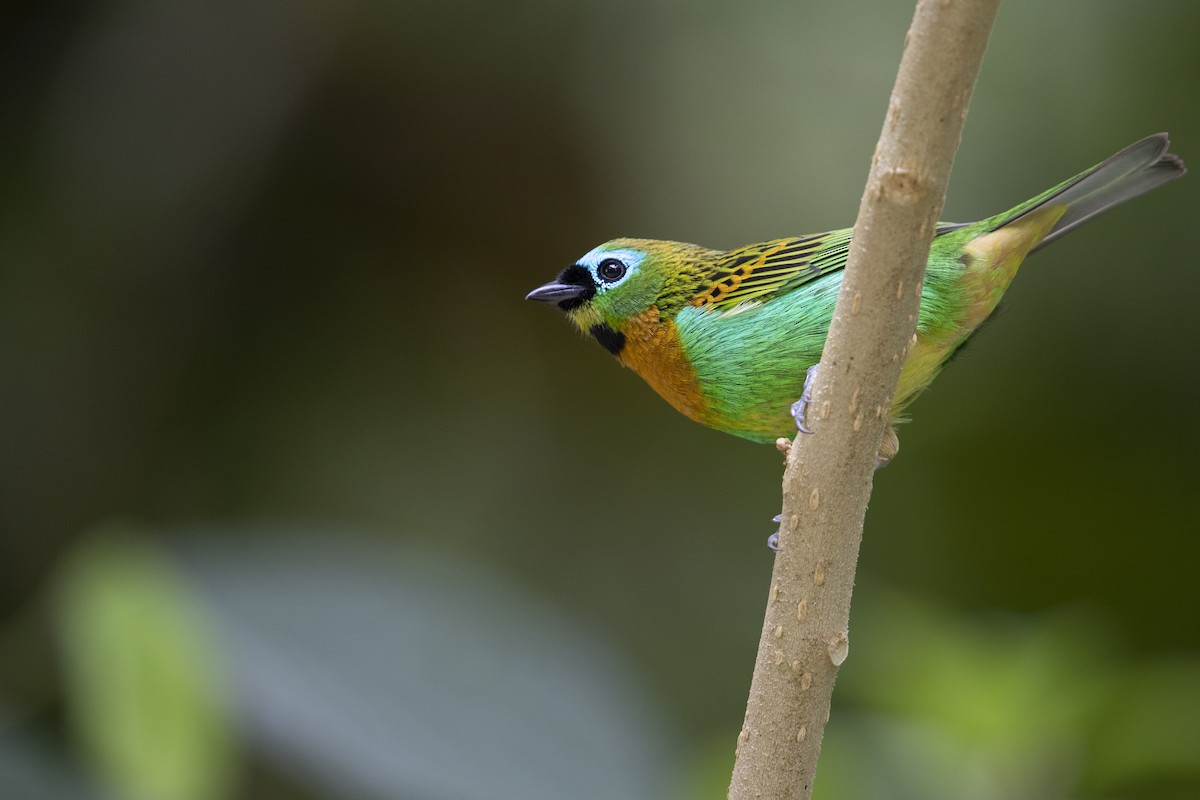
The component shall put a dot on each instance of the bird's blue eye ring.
(610, 270)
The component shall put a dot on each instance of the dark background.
(262, 333)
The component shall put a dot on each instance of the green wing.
(763, 271)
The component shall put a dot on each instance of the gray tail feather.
(1137, 169)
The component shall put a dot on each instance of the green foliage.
(1003, 707)
(370, 671)
(358, 668)
(933, 705)
(143, 675)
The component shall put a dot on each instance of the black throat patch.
(610, 340)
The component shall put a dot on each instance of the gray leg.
(773, 539)
(800, 407)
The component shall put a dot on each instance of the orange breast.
(652, 350)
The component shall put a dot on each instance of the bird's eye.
(610, 270)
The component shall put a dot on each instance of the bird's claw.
(800, 407)
(773, 539)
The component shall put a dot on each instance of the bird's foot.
(800, 407)
(887, 448)
(773, 539)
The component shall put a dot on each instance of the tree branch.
(828, 477)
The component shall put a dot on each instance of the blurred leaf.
(994, 707)
(144, 691)
(1004, 707)
(384, 672)
(986, 679)
(892, 758)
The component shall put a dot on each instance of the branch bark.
(827, 482)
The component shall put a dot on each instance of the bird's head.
(624, 278)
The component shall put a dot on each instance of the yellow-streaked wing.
(760, 272)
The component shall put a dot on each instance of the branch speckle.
(902, 186)
(839, 648)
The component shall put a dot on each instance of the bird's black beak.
(556, 292)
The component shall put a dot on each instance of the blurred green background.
(299, 499)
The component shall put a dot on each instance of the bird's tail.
(1137, 169)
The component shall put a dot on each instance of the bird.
(732, 339)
